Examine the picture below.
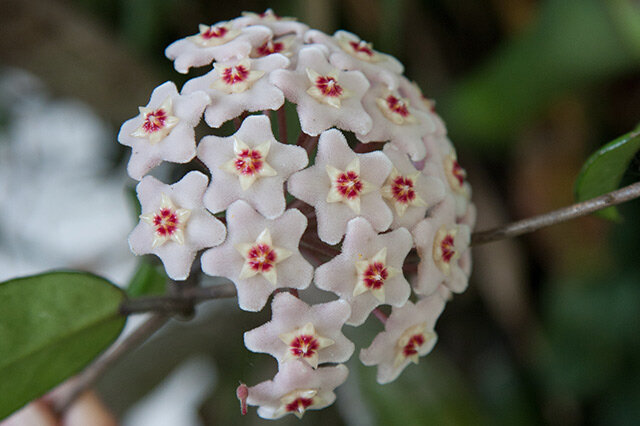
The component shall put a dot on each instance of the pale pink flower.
(278, 24)
(408, 334)
(408, 191)
(342, 185)
(260, 255)
(349, 52)
(239, 86)
(441, 244)
(174, 224)
(397, 121)
(223, 41)
(368, 272)
(444, 163)
(164, 129)
(325, 95)
(250, 165)
(297, 388)
(411, 90)
(298, 331)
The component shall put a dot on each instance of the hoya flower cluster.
(367, 201)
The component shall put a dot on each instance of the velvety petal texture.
(342, 185)
(164, 129)
(297, 388)
(278, 24)
(223, 41)
(251, 165)
(259, 254)
(298, 331)
(408, 334)
(175, 225)
(368, 272)
(441, 244)
(325, 95)
(238, 86)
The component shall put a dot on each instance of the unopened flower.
(441, 243)
(408, 334)
(239, 86)
(342, 185)
(223, 41)
(250, 165)
(408, 191)
(299, 331)
(368, 272)
(297, 388)
(164, 129)
(259, 254)
(174, 223)
(325, 95)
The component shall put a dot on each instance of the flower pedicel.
(366, 198)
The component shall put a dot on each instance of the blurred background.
(549, 330)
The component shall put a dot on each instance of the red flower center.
(328, 86)
(375, 275)
(361, 47)
(154, 120)
(299, 404)
(235, 74)
(349, 184)
(166, 222)
(411, 348)
(249, 162)
(304, 346)
(447, 247)
(458, 172)
(269, 47)
(261, 257)
(402, 190)
(397, 105)
(214, 32)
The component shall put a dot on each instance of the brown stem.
(282, 124)
(180, 302)
(571, 212)
(380, 315)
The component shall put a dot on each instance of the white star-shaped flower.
(441, 244)
(320, 185)
(368, 272)
(297, 388)
(174, 224)
(325, 96)
(408, 191)
(164, 129)
(220, 42)
(239, 86)
(250, 165)
(299, 331)
(408, 334)
(260, 255)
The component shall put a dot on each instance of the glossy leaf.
(603, 171)
(51, 326)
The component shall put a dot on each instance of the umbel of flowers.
(367, 202)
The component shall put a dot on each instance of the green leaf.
(51, 326)
(603, 171)
(148, 280)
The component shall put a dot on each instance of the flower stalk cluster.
(367, 203)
